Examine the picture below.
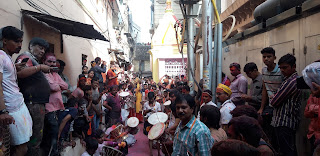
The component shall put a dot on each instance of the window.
(84, 60)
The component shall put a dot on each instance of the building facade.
(69, 26)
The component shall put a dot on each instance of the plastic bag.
(124, 114)
(130, 140)
(312, 74)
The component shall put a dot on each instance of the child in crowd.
(65, 118)
(90, 108)
(85, 70)
(113, 105)
(78, 92)
(96, 107)
(91, 147)
(80, 125)
(90, 76)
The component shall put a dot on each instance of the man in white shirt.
(13, 110)
(223, 94)
(207, 100)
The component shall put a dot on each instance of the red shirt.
(312, 112)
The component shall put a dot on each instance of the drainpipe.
(214, 63)
(207, 42)
(219, 53)
(217, 57)
(191, 59)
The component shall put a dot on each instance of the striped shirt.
(286, 103)
(197, 141)
(272, 80)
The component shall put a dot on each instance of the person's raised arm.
(62, 124)
(28, 71)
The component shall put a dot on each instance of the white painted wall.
(73, 47)
(285, 39)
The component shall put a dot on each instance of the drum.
(109, 151)
(157, 117)
(156, 131)
(115, 133)
(167, 103)
(124, 94)
(133, 122)
(77, 150)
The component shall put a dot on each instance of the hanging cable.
(232, 26)
(216, 11)
(37, 7)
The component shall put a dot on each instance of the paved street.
(140, 148)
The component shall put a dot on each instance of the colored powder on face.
(233, 68)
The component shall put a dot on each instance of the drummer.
(125, 100)
(150, 107)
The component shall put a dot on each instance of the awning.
(67, 27)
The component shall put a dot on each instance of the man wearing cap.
(223, 94)
(207, 100)
(239, 84)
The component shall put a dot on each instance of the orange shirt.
(104, 76)
(114, 81)
(88, 82)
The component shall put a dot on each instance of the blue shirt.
(97, 72)
(198, 140)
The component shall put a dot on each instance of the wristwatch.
(3, 111)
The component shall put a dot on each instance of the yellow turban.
(224, 88)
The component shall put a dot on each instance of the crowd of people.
(44, 114)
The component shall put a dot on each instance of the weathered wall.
(290, 38)
(73, 47)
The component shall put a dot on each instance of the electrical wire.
(19, 4)
(57, 9)
(232, 26)
(93, 5)
(64, 15)
(37, 7)
(216, 11)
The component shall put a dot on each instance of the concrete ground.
(141, 147)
